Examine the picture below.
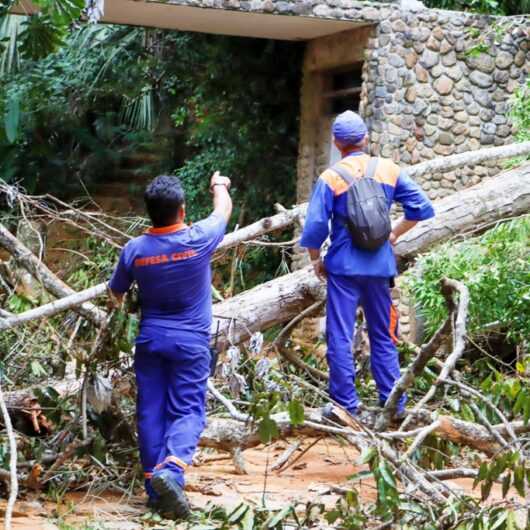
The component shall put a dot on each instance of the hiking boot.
(173, 503)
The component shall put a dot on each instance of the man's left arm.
(121, 280)
(416, 205)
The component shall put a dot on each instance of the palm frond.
(139, 113)
(10, 29)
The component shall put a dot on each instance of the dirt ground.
(213, 481)
(312, 477)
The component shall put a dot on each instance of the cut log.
(280, 300)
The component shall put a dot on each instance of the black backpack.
(368, 217)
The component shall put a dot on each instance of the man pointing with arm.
(359, 268)
(171, 265)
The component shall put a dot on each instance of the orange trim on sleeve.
(174, 460)
(148, 475)
(394, 319)
(160, 230)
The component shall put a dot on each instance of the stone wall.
(438, 85)
(435, 83)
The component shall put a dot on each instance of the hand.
(217, 178)
(319, 269)
(393, 238)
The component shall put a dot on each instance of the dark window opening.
(342, 89)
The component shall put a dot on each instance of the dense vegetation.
(190, 103)
(495, 268)
(493, 7)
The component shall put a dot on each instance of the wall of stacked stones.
(437, 85)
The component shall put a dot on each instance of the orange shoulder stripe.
(387, 172)
(334, 181)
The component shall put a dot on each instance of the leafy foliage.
(493, 7)
(494, 267)
(520, 111)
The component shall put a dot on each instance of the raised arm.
(222, 202)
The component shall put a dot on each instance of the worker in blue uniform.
(170, 263)
(357, 276)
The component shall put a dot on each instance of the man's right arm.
(316, 225)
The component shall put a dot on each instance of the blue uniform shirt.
(171, 266)
(329, 203)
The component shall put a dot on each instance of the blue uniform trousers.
(345, 293)
(172, 371)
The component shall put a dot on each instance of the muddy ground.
(312, 477)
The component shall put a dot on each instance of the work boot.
(173, 503)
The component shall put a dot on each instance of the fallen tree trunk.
(279, 300)
(469, 158)
(507, 195)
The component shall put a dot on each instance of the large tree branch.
(49, 280)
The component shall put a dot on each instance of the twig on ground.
(13, 479)
(300, 455)
(284, 457)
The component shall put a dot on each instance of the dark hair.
(163, 198)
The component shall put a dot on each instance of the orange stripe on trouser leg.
(393, 327)
(174, 460)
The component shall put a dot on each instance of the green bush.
(520, 111)
(496, 269)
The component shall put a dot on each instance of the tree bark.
(506, 195)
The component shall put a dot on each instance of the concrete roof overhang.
(165, 15)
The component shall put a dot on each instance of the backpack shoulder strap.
(343, 173)
(371, 167)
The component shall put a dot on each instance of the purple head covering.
(349, 128)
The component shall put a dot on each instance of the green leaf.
(368, 455)
(499, 521)
(506, 482)
(332, 516)
(467, 413)
(37, 369)
(386, 473)
(267, 430)
(247, 523)
(277, 518)
(518, 479)
(12, 118)
(296, 412)
(482, 474)
(238, 513)
(360, 475)
(485, 489)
